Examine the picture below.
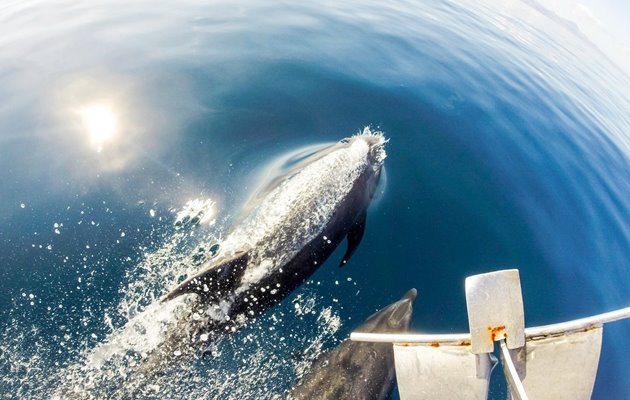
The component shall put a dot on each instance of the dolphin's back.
(297, 208)
(361, 371)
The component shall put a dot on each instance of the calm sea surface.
(509, 147)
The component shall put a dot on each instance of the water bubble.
(214, 249)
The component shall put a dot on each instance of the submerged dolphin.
(359, 370)
(290, 231)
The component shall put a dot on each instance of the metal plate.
(444, 372)
(495, 310)
(560, 367)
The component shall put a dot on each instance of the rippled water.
(508, 147)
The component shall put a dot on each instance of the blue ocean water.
(508, 147)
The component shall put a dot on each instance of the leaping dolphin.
(291, 230)
(359, 370)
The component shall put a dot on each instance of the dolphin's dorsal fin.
(211, 281)
(355, 234)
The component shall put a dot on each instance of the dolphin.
(289, 231)
(359, 370)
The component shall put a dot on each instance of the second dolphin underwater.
(356, 370)
(292, 229)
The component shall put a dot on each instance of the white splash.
(142, 334)
(328, 323)
(196, 211)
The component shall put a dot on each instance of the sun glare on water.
(100, 123)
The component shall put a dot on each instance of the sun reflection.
(100, 122)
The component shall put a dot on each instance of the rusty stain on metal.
(497, 332)
(564, 333)
(436, 344)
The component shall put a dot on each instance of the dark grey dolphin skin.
(359, 370)
(291, 229)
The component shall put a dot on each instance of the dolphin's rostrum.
(359, 370)
(292, 228)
